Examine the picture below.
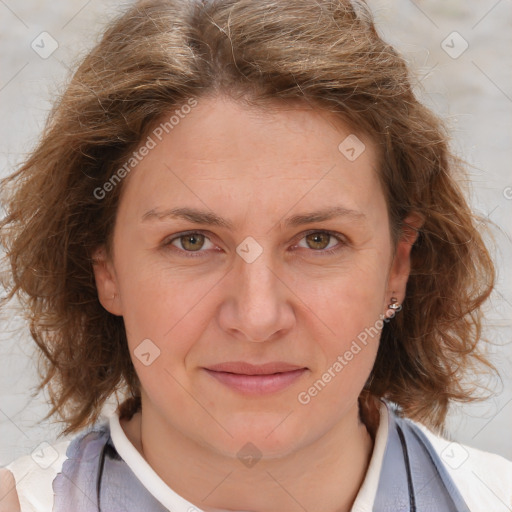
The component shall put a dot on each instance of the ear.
(401, 264)
(106, 282)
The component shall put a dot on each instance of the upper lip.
(244, 368)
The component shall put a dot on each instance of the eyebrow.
(205, 217)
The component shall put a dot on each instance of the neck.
(323, 476)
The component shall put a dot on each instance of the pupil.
(191, 242)
(316, 238)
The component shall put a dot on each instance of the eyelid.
(342, 241)
(334, 234)
(168, 241)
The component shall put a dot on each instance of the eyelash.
(195, 254)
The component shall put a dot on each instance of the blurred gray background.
(461, 55)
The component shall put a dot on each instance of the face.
(220, 255)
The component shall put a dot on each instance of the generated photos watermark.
(152, 140)
(304, 397)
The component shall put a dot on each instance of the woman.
(242, 224)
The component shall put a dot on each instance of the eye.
(322, 242)
(190, 242)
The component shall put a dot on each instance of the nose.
(258, 303)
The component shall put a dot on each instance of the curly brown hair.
(152, 60)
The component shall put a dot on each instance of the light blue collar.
(413, 477)
(95, 478)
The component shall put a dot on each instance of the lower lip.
(258, 384)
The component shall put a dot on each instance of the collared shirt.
(483, 480)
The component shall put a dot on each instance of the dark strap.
(413, 477)
(95, 478)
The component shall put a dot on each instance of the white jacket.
(483, 479)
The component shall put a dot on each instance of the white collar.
(366, 496)
(144, 472)
(173, 501)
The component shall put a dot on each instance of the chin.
(268, 438)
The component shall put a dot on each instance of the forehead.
(220, 128)
(288, 154)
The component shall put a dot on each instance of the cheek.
(349, 298)
(159, 315)
(156, 301)
(346, 308)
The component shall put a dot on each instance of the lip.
(243, 368)
(256, 379)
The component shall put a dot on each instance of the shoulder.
(8, 497)
(483, 479)
(35, 474)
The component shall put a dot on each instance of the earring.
(394, 304)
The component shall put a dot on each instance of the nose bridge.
(258, 296)
(258, 282)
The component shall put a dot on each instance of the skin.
(294, 304)
(8, 496)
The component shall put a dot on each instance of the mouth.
(256, 379)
